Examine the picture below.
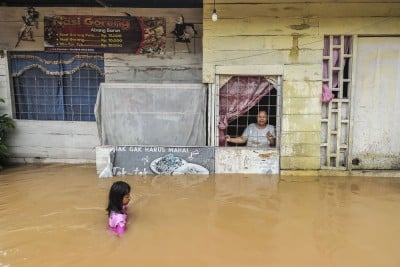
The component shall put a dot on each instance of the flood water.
(54, 215)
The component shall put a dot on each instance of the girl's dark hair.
(117, 192)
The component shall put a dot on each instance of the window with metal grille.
(240, 99)
(52, 86)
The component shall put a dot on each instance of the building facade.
(287, 53)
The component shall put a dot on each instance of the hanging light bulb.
(214, 15)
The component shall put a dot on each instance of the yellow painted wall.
(290, 35)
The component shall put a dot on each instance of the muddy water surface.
(54, 215)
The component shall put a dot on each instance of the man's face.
(262, 118)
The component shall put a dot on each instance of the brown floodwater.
(54, 215)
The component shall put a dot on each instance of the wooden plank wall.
(290, 34)
(10, 21)
(74, 142)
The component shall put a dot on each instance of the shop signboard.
(114, 34)
(163, 160)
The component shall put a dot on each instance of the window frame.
(216, 107)
(90, 73)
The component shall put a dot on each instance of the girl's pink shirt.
(117, 221)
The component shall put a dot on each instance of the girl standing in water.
(118, 200)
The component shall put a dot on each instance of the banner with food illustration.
(164, 160)
(114, 34)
